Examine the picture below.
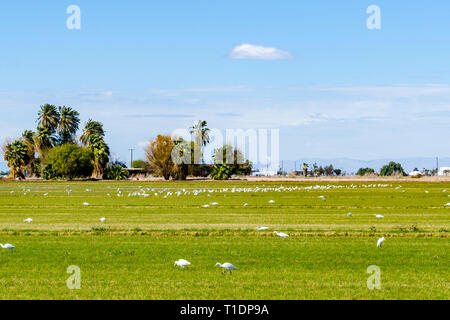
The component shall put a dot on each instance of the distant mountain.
(352, 165)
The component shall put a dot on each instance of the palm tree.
(101, 155)
(16, 154)
(202, 138)
(48, 117)
(28, 139)
(43, 140)
(91, 128)
(201, 132)
(69, 120)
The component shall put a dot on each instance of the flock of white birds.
(167, 192)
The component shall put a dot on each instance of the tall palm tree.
(68, 123)
(48, 117)
(201, 131)
(101, 154)
(202, 138)
(43, 140)
(28, 139)
(91, 128)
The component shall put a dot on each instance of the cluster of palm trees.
(176, 158)
(56, 126)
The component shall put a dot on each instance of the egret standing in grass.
(226, 267)
(102, 219)
(182, 263)
(262, 228)
(29, 220)
(7, 246)
(281, 234)
(379, 216)
(380, 242)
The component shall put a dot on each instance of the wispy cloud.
(251, 51)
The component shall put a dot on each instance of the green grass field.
(131, 255)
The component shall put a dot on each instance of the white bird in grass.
(7, 246)
(245, 204)
(271, 201)
(226, 266)
(29, 220)
(85, 204)
(182, 263)
(262, 228)
(380, 242)
(447, 205)
(281, 234)
(102, 219)
(205, 206)
(379, 216)
(350, 214)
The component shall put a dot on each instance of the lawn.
(131, 255)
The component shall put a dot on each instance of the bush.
(68, 161)
(221, 172)
(115, 172)
(365, 171)
(392, 168)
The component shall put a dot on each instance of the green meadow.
(149, 225)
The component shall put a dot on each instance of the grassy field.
(149, 225)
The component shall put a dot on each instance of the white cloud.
(250, 51)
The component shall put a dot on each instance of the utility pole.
(131, 162)
(437, 165)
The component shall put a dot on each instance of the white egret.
(245, 204)
(85, 204)
(7, 246)
(29, 220)
(182, 263)
(447, 205)
(281, 234)
(214, 204)
(205, 206)
(102, 219)
(380, 242)
(226, 266)
(379, 216)
(271, 201)
(350, 214)
(262, 228)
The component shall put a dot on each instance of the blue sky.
(333, 87)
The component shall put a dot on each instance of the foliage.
(69, 161)
(365, 171)
(16, 154)
(234, 158)
(221, 171)
(141, 164)
(159, 156)
(392, 168)
(100, 151)
(115, 172)
(91, 128)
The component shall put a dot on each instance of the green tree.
(91, 128)
(392, 168)
(100, 151)
(69, 161)
(16, 154)
(68, 123)
(48, 118)
(365, 171)
(43, 140)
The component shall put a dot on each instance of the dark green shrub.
(68, 161)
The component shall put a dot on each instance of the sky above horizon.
(313, 70)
